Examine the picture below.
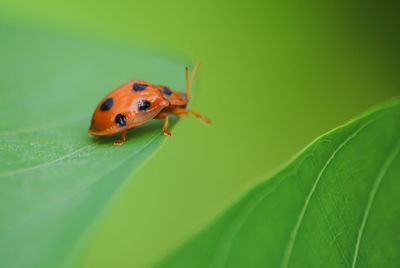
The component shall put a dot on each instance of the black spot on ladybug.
(139, 86)
(143, 105)
(120, 119)
(167, 91)
(107, 104)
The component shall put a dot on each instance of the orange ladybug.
(136, 102)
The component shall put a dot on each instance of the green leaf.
(55, 179)
(335, 205)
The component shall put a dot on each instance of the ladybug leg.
(205, 119)
(166, 123)
(121, 141)
(183, 111)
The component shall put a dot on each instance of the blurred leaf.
(335, 205)
(54, 178)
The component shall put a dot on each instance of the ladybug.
(136, 102)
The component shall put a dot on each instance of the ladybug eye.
(143, 105)
(107, 104)
(139, 86)
(120, 119)
(167, 91)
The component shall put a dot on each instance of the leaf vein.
(372, 194)
(293, 235)
(225, 243)
(19, 171)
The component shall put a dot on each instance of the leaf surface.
(335, 205)
(55, 180)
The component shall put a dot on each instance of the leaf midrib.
(45, 164)
(100, 177)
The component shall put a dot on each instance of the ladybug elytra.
(136, 102)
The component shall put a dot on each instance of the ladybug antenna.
(189, 85)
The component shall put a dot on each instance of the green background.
(274, 76)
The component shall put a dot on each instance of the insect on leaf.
(55, 180)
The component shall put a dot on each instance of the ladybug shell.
(130, 105)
